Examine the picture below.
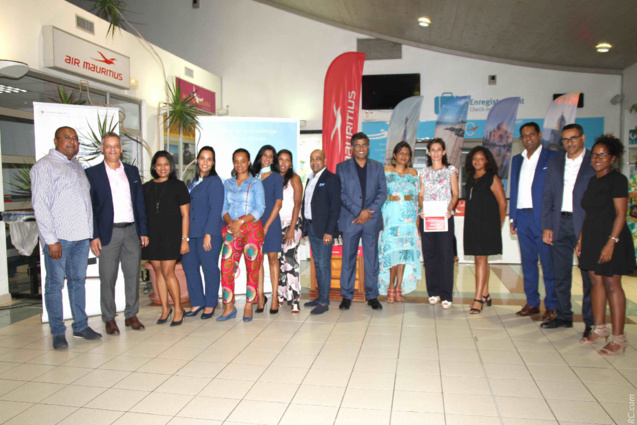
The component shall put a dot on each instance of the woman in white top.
(289, 281)
(439, 182)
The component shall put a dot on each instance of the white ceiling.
(547, 33)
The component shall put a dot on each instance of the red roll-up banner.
(341, 108)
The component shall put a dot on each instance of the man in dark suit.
(528, 172)
(363, 192)
(119, 226)
(567, 178)
(320, 210)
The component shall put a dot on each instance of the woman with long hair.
(605, 246)
(289, 280)
(243, 207)
(399, 247)
(206, 202)
(168, 213)
(485, 212)
(266, 169)
(438, 183)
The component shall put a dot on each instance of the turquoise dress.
(399, 241)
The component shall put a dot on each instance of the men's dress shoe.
(319, 309)
(375, 304)
(527, 310)
(87, 333)
(312, 303)
(111, 327)
(587, 331)
(549, 314)
(193, 313)
(59, 342)
(232, 315)
(134, 323)
(205, 316)
(557, 323)
(345, 304)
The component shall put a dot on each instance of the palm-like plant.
(21, 183)
(182, 114)
(92, 141)
(111, 10)
(67, 97)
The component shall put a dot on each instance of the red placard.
(435, 224)
(204, 99)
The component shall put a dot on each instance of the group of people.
(559, 204)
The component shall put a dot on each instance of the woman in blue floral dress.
(399, 249)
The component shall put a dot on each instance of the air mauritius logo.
(349, 123)
(92, 67)
(105, 60)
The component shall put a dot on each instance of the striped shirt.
(61, 198)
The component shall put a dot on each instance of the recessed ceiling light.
(603, 47)
(424, 22)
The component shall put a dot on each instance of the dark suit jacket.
(351, 194)
(102, 200)
(537, 189)
(553, 194)
(326, 205)
(206, 203)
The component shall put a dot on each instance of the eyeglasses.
(600, 155)
(67, 138)
(361, 146)
(571, 139)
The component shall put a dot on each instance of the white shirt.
(309, 192)
(571, 169)
(120, 192)
(527, 173)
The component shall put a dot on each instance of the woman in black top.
(168, 211)
(605, 246)
(485, 212)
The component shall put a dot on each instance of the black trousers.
(437, 251)
(562, 253)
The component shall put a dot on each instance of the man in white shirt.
(528, 171)
(120, 230)
(567, 178)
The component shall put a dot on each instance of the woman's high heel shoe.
(399, 296)
(599, 331)
(177, 323)
(487, 299)
(391, 296)
(193, 313)
(162, 321)
(205, 316)
(265, 301)
(616, 343)
(474, 310)
(232, 315)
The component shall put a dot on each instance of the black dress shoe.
(375, 304)
(587, 331)
(345, 304)
(205, 316)
(193, 313)
(557, 323)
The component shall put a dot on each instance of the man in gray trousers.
(120, 230)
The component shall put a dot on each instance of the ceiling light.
(603, 47)
(424, 22)
(9, 89)
(13, 69)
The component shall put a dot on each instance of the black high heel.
(162, 321)
(474, 310)
(177, 323)
(265, 301)
(487, 299)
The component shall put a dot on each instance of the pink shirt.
(120, 191)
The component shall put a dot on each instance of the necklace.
(158, 197)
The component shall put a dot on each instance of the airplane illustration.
(197, 98)
(473, 128)
(104, 59)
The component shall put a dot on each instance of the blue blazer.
(537, 188)
(553, 194)
(351, 194)
(102, 200)
(325, 204)
(206, 203)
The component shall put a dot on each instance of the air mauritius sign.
(69, 53)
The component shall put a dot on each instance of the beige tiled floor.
(407, 364)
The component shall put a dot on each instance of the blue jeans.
(71, 264)
(322, 255)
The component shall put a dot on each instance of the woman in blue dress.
(266, 169)
(399, 248)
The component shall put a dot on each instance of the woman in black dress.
(485, 211)
(605, 246)
(168, 212)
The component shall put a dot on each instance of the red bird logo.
(104, 59)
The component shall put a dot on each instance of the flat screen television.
(387, 91)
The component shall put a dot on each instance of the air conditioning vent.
(376, 49)
(189, 72)
(85, 24)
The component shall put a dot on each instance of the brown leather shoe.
(111, 327)
(549, 314)
(134, 323)
(527, 310)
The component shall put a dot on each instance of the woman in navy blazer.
(206, 203)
